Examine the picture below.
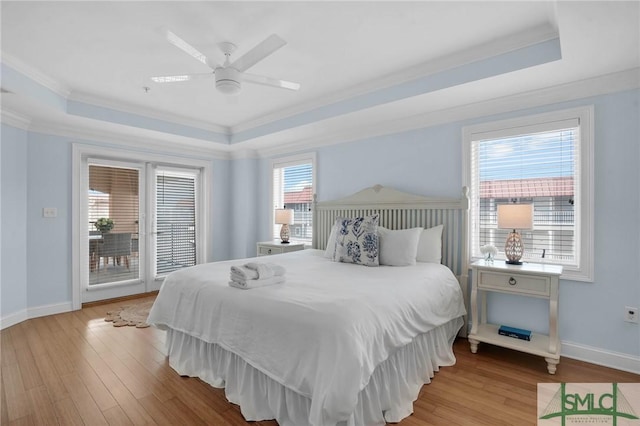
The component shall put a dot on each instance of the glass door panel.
(175, 243)
(113, 220)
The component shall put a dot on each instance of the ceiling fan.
(230, 75)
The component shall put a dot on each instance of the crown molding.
(146, 112)
(35, 75)
(602, 85)
(15, 120)
(476, 53)
(180, 146)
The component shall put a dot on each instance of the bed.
(337, 343)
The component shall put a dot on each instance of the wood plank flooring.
(76, 369)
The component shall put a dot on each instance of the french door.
(138, 222)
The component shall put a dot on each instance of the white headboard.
(400, 210)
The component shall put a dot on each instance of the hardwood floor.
(76, 369)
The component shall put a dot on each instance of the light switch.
(49, 212)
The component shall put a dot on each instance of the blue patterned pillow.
(357, 241)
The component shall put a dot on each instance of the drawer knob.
(512, 281)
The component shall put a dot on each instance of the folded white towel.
(239, 277)
(249, 284)
(257, 271)
(244, 272)
(266, 270)
(263, 270)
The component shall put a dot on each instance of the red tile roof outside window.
(527, 188)
(298, 197)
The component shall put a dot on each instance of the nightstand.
(528, 279)
(267, 248)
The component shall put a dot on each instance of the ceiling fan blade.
(180, 78)
(268, 81)
(258, 53)
(184, 46)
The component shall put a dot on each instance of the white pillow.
(430, 245)
(330, 250)
(398, 248)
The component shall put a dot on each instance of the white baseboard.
(598, 356)
(39, 311)
(13, 319)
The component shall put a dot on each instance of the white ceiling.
(103, 53)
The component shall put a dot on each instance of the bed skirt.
(388, 397)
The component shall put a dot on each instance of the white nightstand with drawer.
(267, 248)
(528, 279)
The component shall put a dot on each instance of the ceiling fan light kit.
(230, 75)
(227, 80)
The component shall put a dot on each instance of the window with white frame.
(544, 160)
(293, 188)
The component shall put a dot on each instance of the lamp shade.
(284, 216)
(515, 216)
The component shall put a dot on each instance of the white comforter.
(323, 332)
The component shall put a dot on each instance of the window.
(543, 160)
(293, 188)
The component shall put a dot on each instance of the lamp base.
(513, 248)
(284, 234)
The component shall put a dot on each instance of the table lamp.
(514, 216)
(284, 217)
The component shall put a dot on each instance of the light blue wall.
(429, 161)
(220, 213)
(244, 208)
(425, 161)
(13, 275)
(264, 226)
(48, 239)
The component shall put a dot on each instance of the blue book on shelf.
(517, 333)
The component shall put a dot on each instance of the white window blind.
(537, 167)
(113, 194)
(293, 189)
(175, 221)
